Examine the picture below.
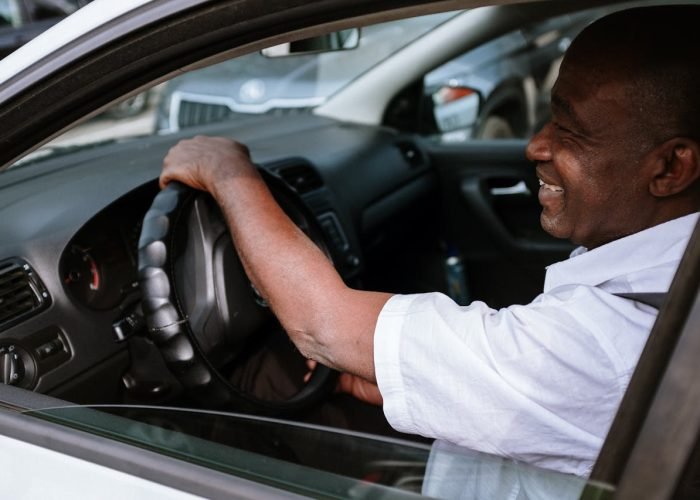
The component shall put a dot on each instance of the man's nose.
(539, 147)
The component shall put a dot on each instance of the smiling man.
(617, 156)
(618, 166)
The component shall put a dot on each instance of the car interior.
(113, 292)
(377, 196)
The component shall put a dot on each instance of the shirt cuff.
(387, 361)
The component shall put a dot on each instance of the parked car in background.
(499, 89)
(22, 20)
(294, 83)
(506, 81)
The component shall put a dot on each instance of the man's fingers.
(311, 365)
(203, 161)
(351, 384)
(360, 388)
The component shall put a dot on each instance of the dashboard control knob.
(11, 365)
(128, 326)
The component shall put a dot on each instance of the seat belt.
(653, 299)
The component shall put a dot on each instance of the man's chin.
(554, 226)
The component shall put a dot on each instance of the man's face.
(588, 159)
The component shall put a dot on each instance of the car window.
(256, 84)
(241, 88)
(499, 89)
(340, 464)
(10, 13)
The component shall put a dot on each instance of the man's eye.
(561, 128)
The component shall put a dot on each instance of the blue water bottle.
(456, 280)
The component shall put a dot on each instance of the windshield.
(241, 88)
(318, 461)
(257, 84)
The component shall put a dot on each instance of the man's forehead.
(589, 98)
(597, 76)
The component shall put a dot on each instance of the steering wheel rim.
(183, 349)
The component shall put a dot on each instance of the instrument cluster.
(99, 266)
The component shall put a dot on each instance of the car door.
(491, 219)
(490, 216)
(461, 162)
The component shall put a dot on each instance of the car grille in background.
(198, 113)
(191, 113)
(21, 292)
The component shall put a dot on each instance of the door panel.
(491, 219)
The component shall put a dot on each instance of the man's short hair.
(658, 50)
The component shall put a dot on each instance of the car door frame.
(32, 115)
(112, 454)
(657, 427)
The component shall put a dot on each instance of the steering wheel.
(201, 310)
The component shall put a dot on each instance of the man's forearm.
(327, 321)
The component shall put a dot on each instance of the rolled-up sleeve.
(539, 383)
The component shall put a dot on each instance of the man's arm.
(326, 320)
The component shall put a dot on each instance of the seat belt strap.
(653, 299)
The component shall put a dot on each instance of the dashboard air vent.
(303, 178)
(21, 292)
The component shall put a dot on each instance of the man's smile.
(550, 191)
(550, 187)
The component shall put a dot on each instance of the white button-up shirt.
(539, 382)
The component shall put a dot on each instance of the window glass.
(497, 90)
(255, 84)
(317, 461)
(243, 88)
(9, 13)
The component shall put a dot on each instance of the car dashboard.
(70, 226)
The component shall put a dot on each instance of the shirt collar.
(648, 248)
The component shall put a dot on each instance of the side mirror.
(456, 111)
(340, 40)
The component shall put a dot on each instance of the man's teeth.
(551, 187)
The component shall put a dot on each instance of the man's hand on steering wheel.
(203, 162)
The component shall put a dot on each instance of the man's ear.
(677, 167)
